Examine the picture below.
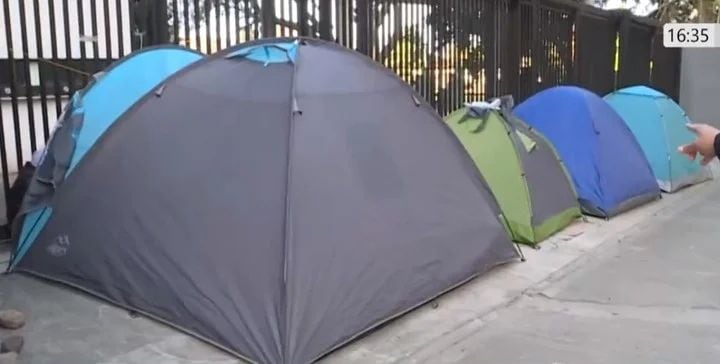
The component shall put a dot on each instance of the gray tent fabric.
(552, 191)
(276, 210)
(53, 163)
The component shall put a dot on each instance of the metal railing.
(451, 51)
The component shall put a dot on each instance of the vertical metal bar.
(447, 38)
(246, 14)
(432, 55)
(95, 65)
(574, 41)
(351, 25)
(301, 6)
(429, 71)
(490, 50)
(467, 17)
(268, 18)
(218, 32)
(513, 51)
(108, 45)
(398, 38)
(488, 47)
(412, 59)
(313, 14)
(83, 31)
(227, 23)
(207, 4)
(392, 41)
(4, 161)
(294, 25)
(449, 55)
(43, 90)
(380, 19)
(158, 24)
(196, 24)
(376, 35)
(341, 25)
(186, 21)
(535, 39)
(624, 52)
(120, 35)
(175, 22)
(338, 21)
(363, 27)
(325, 20)
(68, 48)
(28, 84)
(257, 20)
(282, 18)
(457, 76)
(408, 44)
(13, 84)
(237, 21)
(444, 60)
(54, 51)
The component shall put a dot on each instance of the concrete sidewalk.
(640, 288)
(651, 297)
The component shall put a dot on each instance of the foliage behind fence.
(451, 51)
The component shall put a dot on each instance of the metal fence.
(451, 51)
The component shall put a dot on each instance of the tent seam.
(287, 231)
(510, 130)
(665, 141)
(603, 196)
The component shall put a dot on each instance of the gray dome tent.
(277, 200)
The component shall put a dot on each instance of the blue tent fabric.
(269, 53)
(658, 123)
(127, 80)
(607, 165)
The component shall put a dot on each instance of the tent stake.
(522, 256)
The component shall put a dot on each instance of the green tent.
(523, 170)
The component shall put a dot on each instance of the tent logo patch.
(60, 246)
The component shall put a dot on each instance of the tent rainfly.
(605, 161)
(522, 169)
(276, 199)
(659, 124)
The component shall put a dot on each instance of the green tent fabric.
(523, 171)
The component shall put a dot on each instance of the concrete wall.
(700, 84)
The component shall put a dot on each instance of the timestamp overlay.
(691, 35)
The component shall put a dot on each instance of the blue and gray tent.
(605, 161)
(659, 124)
(277, 200)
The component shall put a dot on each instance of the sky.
(639, 7)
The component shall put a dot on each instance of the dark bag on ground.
(15, 196)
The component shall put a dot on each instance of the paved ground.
(653, 297)
(642, 288)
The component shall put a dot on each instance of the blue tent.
(658, 123)
(606, 163)
(89, 113)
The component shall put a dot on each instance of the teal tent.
(658, 124)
